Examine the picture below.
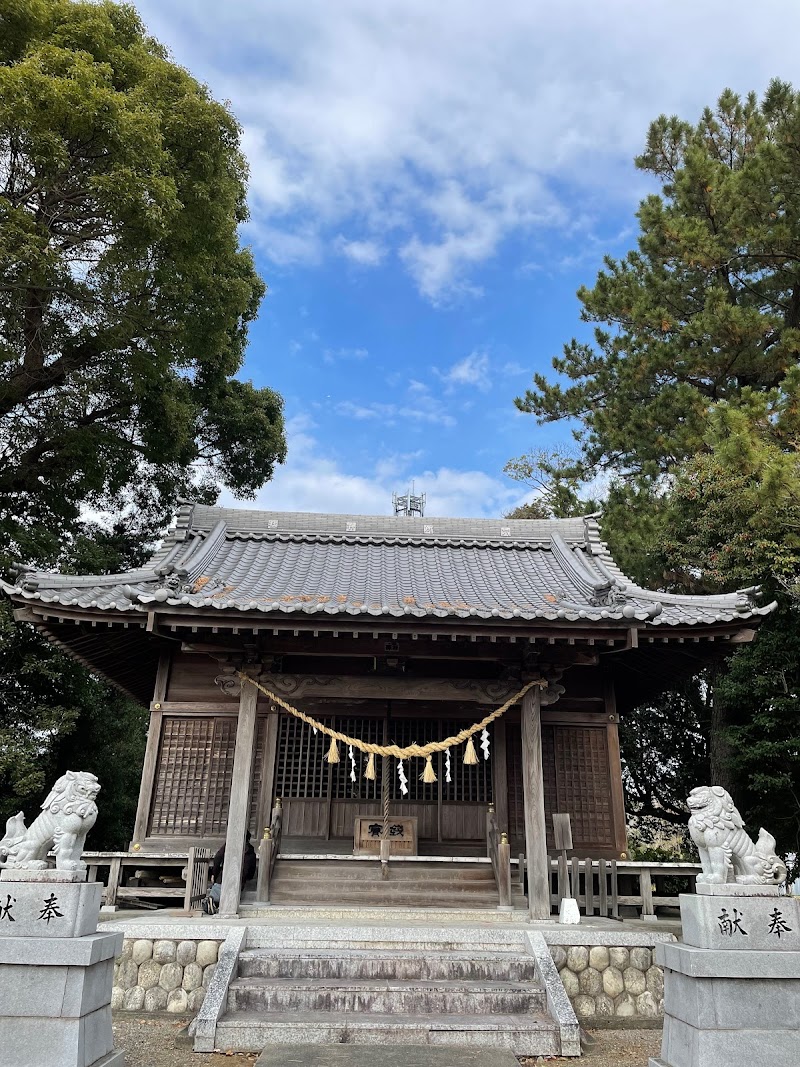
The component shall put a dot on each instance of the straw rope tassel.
(429, 774)
(395, 750)
(370, 771)
(470, 756)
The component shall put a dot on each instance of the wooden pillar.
(239, 803)
(615, 772)
(151, 753)
(500, 776)
(265, 798)
(538, 863)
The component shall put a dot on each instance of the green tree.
(55, 715)
(125, 294)
(688, 399)
(125, 301)
(707, 304)
(556, 482)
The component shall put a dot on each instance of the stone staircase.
(388, 985)
(356, 883)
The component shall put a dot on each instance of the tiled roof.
(268, 562)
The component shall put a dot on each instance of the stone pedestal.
(56, 972)
(732, 988)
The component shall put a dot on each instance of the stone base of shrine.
(732, 1007)
(55, 992)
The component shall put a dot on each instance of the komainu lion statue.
(67, 816)
(727, 853)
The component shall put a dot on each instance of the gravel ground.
(150, 1042)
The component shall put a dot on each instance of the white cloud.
(336, 355)
(440, 129)
(313, 480)
(364, 253)
(421, 408)
(472, 370)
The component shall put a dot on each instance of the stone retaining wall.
(163, 975)
(603, 981)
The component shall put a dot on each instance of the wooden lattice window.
(301, 772)
(193, 776)
(371, 731)
(576, 780)
(470, 782)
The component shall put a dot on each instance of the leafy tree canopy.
(709, 302)
(689, 401)
(125, 295)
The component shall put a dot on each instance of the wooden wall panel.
(193, 777)
(305, 818)
(577, 780)
(575, 762)
(464, 822)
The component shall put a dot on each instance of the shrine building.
(392, 631)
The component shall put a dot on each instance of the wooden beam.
(151, 751)
(239, 803)
(380, 687)
(537, 861)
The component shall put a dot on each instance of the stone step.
(384, 997)
(383, 896)
(388, 964)
(349, 930)
(398, 872)
(526, 1035)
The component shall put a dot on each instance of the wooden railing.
(196, 876)
(602, 886)
(499, 852)
(268, 852)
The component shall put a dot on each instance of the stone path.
(155, 1042)
(388, 1055)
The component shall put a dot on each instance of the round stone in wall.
(206, 953)
(133, 999)
(619, 957)
(577, 958)
(208, 973)
(654, 980)
(570, 981)
(192, 977)
(142, 951)
(149, 974)
(625, 1006)
(196, 998)
(647, 1006)
(172, 975)
(584, 1006)
(559, 955)
(590, 982)
(164, 951)
(186, 952)
(613, 983)
(634, 981)
(127, 974)
(603, 1005)
(155, 999)
(641, 958)
(599, 957)
(117, 996)
(178, 1001)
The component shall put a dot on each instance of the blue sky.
(431, 181)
